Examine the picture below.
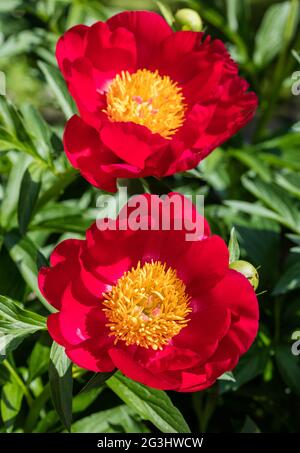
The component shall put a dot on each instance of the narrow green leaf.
(56, 82)
(233, 246)
(39, 129)
(12, 190)
(39, 359)
(96, 381)
(12, 312)
(275, 24)
(151, 404)
(27, 258)
(61, 384)
(29, 192)
(16, 323)
(166, 12)
(11, 400)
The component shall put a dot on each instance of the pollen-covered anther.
(148, 99)
(148, 306)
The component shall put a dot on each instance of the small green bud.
(188, 19)
(248, 270)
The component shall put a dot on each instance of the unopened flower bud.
(248, 270)
(188, 19)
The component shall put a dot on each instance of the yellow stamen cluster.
(148, 306)
(148, 99)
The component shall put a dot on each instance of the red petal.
(148, 28)
(86, 152)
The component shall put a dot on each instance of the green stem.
(18, 381)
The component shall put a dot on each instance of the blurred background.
(252, 184)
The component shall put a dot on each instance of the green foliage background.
(252, 183)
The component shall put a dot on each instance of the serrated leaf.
(151, 404)
(61, 384)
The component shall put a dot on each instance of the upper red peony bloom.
(166, 312)
(152, 102)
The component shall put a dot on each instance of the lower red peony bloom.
(152, 102)
(167, 312)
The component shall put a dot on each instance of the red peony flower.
(167, 312)
(152, 102)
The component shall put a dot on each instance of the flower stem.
(18, 381)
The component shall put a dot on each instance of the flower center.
(147, 99)
(148, 306)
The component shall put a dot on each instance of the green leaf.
(117, 420)
(289, 367)
(11, 400)
(252, 209)
(12, 312)
(29, 193)
(233, 247)
(39, 359)
(26, 257)
(84, 399)
(16, 323)
(12, 121)
(289, 281)
(19, 43)
(228, 376)
(237, 12)
(276, 199)
(166, 12)
(12, 190)
(276, 25)
(96, 381)
(39, 129)
(254, 162)
(56, 82)
(151, 404)
(61, 384)
(289, 182)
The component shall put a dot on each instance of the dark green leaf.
(61, 384)
(29, 192)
